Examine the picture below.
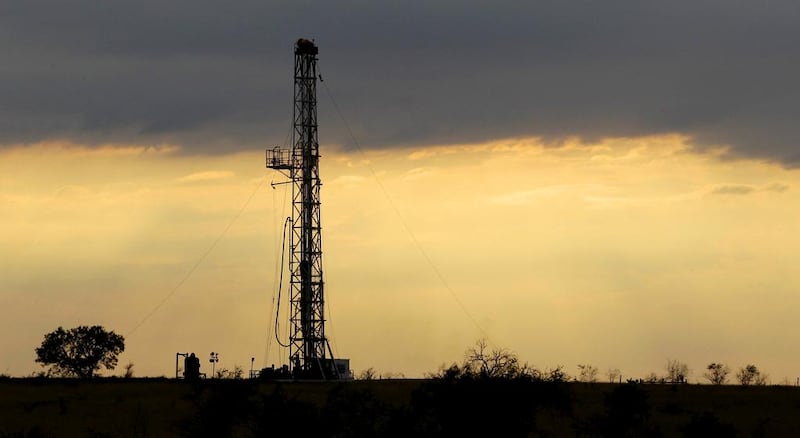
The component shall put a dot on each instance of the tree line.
(82, 351)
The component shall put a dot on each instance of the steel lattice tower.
(308, 346)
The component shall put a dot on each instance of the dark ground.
(467, 407)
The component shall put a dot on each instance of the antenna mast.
(308, 346)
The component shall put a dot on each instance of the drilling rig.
(310, 353)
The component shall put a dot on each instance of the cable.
(402, 220)
(276, 247)
(280, 284)
(199, 261)
(278, 264)
(283, 353)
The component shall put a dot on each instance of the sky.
(608, 183)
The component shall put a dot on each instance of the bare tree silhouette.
(751, 375)
(677, 371)
(498, 362)
(587, 373)
(613, 374)
(717, 373)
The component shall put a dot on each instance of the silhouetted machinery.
(191, 366)
(310, 353)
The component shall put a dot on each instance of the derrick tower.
(308, 346)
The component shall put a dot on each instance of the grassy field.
(160, 407)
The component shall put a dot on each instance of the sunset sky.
(612, 183)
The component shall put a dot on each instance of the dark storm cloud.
(216, 76)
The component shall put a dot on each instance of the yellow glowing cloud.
(618, 253)
(208, 175)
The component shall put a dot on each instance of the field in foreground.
(220, 408)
